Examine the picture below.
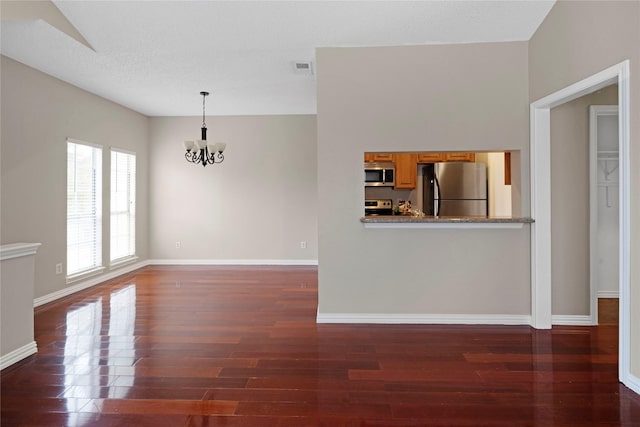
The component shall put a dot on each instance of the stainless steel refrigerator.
(455, 189)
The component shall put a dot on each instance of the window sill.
(122, 262)
(85, 274)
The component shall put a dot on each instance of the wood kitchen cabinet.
(378, 157)
(460, 157)
(507, 168)
(424, 157)
(431, 157)
(446, 157)
(406, 170)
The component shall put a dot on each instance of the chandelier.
(201, 151)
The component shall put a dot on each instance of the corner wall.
(575, 41)
(39, 113)
(469, 97)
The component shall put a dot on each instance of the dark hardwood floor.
(608, 311)
(223, 346)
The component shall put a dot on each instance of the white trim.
(540, 143)
(121, 262)
(122, 150)
(447, 319)
(624, 285)
(594, 112)
(85, 274)
(633, 383)
(283, 262)
(86, 284)
(81, 142)
(18, 354)
(541, 212)
(448, 225)
(17, 250)
(573, 320)
(608, 294)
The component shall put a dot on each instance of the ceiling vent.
(302, 67)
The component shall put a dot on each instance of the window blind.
(84, 207)
(123, 205)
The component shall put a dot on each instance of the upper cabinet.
(460, 157)
(431, 157)
(507, 168)
(378, 157)
(406, 167)
(407, 163)
(424, 157)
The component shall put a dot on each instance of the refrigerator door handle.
(435, 178)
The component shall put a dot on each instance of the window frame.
(97, 183)
(131, 212)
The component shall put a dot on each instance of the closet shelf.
(607, 155)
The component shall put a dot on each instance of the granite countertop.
(408, 219)
(450, 222)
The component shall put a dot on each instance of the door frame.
(540, 163)
(595, 111)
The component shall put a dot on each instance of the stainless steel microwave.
(379, 174)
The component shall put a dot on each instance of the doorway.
(540, 142)
(604, 209)
(574, 281)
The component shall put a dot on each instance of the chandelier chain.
(204, 125)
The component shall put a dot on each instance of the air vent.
(301, 67)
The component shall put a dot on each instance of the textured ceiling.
(155, 57)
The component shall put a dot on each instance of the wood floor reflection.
(209, 346)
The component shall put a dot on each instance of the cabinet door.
(460, 157)
(382, 157)
(430, 157)
(378, 157)
(507, 168)
(406, 170)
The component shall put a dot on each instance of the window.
(84, 208)
(123, 205)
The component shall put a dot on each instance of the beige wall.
(39, 112)
(577, 40)
(258, 205)
(570, 202)
(417, 98)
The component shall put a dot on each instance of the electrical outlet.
(178, 245)
(59, 268)
(303, 244)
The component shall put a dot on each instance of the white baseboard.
(18, 354)
(448, 319)
(572, 320)
(283, 262)
(608, 294)
(633, 383)
(87, 283)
